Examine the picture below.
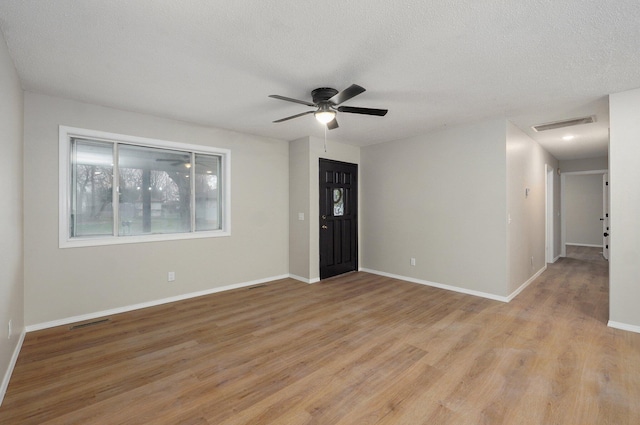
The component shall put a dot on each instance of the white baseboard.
(439, 285)
(462, 290)
(527, 283)
(624, 326)
(304, 279)
(12, 364)
(556, 259)
(584, 244)
(154, 303)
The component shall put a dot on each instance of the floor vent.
(87, 324)
(564, 123)
(258, 286)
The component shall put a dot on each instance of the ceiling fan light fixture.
(325, 116)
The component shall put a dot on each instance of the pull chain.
(325, 139)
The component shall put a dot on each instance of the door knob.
(324, 226)
(324, 217)
(606, 234)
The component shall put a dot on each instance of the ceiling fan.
(327, 100)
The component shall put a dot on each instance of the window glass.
(154, 189)
(91, 188)
(338, 202)
(207, 191)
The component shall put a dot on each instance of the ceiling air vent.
(564, 123)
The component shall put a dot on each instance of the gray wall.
(583, 209)
(11, 223)
(526, 215)
(624, 175)
(441, 199)
(299, 202)
(64, 283)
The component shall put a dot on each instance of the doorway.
(584, 210)
(338, 218)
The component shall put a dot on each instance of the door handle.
(324, 226)
(606, 234)
(324, 217)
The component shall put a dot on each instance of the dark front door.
(338, 218)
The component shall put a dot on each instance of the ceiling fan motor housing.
(323, 94)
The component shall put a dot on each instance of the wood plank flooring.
(357, 349)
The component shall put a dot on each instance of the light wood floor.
(359, 349)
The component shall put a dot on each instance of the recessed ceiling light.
(569, 137)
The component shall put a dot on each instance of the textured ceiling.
(432, 64)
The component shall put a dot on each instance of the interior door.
(605, 215)
(338, 218)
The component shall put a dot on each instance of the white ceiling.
(431, 63)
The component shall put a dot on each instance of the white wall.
(304, 239)
(441, 199)
(583, 209)
(63, 283)
(525, 165)
(624, 176)
(11, 223)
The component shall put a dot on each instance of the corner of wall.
(624, 173)
(11, 216)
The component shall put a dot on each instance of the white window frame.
(66, 241)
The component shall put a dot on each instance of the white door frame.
(548, 205)
(605, 216)
(563, 223)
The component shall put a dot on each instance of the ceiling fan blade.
(295, 116)
(288, 99)
(333, 124)
(364, 111)
(346, 94)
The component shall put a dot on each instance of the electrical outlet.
(171, 276)
(413, 261)
(9, 330)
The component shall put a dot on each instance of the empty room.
(291, 212)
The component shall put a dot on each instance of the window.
(163, 190)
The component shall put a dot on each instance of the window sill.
(119, 240)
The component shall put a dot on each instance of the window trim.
(64, 188)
